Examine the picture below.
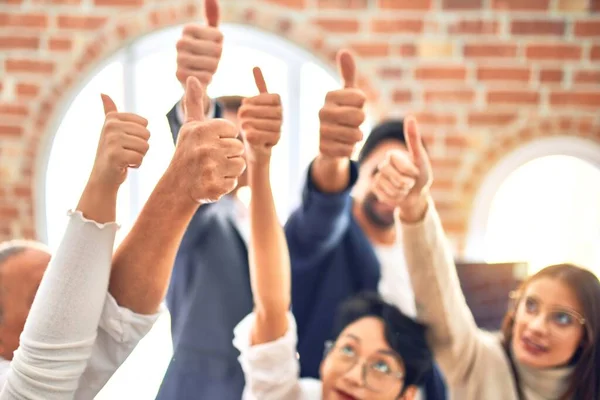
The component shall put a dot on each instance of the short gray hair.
(11, 248)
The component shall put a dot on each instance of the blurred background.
(507, 93)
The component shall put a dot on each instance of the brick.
(419, 5)
(435, 49)
(463, 96)
(80, 22)
(572, 5)
(343, 4)
(521, 5)
(430, 118)
(489, 118)
(406, 50)
(396, 25)
(513, 97)
(441, 73)
(474, 27)
(462, 4)
(519, 74)
(391, 72)
(490, 50)
(60, 44)
(14, 42)
(553, 52)
(587, 28)
(575, 99)
(551, 76)
(371, 49)
(587, 77)
(338, 25)
(537, 27)
(24, 20)
(118, 3)
(27, 90)
(595, 53)
(13, 109)
(28, 66)
(401, 96)
(10, 130)
(295, 4)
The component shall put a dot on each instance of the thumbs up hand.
(123, 144)
(208, 156)
(261, 118)
(200, 47)
(404, 178)
(342, 114)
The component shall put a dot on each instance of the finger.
(139, 132)
(200, 47)
(129, 127)
(346, 97)
(259, 111)
(387, 187)
(387, 170)
(342, 134)
(211, 11)
(414, 141)
(132, 158)
(232, 147)
(259, 79)
(108, 104)
(341, 115)
(203, 32)
(235, 167)
(136, 144)
(347, 68)
(401, 162)
(382, 196)
(264, 99)
(194, 103)
(268, 125)
(203, 77)
(197, 63)
(132, 118)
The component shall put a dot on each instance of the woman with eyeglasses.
(549, 348)
(378, 352)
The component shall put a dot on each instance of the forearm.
(269, 260)
(143, 262)
(331, 175)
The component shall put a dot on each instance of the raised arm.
(404, 181)
(206, 164)
(60, 331)
(319, 223)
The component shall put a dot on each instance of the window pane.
(74, 149)
(547, 212)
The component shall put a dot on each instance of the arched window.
(541, 205)
(141, 78)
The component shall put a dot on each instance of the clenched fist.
(123, 144)
(261, 119)
(342, 114)
(208, 156)
(200, 47)
(403, 179)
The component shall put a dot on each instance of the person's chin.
(530, 355)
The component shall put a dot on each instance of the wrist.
(413, 210)
(176, 191)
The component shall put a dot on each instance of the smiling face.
(549, 325)
(362, 366)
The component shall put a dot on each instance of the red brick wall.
(484, 76)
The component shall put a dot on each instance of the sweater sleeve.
(453, 334)
(61, 328)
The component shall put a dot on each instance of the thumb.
(414, 141)
(259, 79)
(193, 100)
(211, 11)
(347, 68)
(108, 104)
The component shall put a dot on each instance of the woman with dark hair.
(550, 346)
(378, 352)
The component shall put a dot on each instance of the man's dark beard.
(378, 219)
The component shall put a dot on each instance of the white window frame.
(568, 146)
